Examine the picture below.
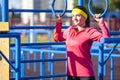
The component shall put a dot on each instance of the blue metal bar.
(41, 77)
(104, 67)
(4, 10)
(17, 51)
(43, 43)
(28, 57)
(35, 27)
(8, 61)
(35, 65)
(92, 13)
(115, 32)
(49, 63)
(63, 12)
(9, 34)
(110, 53)
(43, 60)
(31, 10)
(52, 66)
(112, 68)
(110, 40)
(42, 65)
(81, 2)
(22, 65)
(100, 62)
(18, 58)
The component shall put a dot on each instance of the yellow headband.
(80, 11)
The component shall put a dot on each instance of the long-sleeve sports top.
(78, 45)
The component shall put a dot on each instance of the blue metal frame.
(92, 13)
(18, 61)
(4, 7)
(17, 53)
(63, 12)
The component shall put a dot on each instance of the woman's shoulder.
(70, 27)
(91, 29)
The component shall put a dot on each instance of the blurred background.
(112, 19)
(15, 18)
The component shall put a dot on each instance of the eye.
(78, 15)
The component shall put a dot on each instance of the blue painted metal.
(110, 40)
(34, 47)
(42, 65)
(31, 10)
(28, 57)
(22, 65)
(7, 61)
(112, 68)
(18, 58)
(109, 54)
(55, 51)
(92, 13)
(81, 2)
(4, 10)
(52, 66)
(17, 66)
(35, 65)
(34, 27)
(100, 62)
(63, 12)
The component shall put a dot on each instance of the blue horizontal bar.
(9, 34)
(42, 60)
(33, 10)
(110, 40)
(39, 77)
(35, 27)
(39, 44)
(115, 32)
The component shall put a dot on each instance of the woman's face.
(78, 19)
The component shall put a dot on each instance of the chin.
(75, 24)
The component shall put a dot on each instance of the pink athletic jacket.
(78, 44)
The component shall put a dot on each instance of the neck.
(80, 28)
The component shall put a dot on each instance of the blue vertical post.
(4, 10)
(100, 62)
(22, 64)
(52, 66)
(42, 66)
(112, 68)
(81, 2)
(18, 59)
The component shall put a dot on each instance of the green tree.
(95, 8)
(114, 4)
(75, 2)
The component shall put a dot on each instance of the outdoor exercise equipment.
(20, 49)
(91, 11)
(63, 11)
(4, 42)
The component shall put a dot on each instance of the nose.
(74, 17)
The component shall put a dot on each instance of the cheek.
(73, 18)
(82, 20)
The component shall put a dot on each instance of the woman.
(79, 38)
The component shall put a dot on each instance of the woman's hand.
(59, 18)
(97, 17)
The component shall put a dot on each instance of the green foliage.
(75, 2)
(97, 9)
(114, 4)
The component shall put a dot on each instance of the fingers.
(59, 17)
(97, 16)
